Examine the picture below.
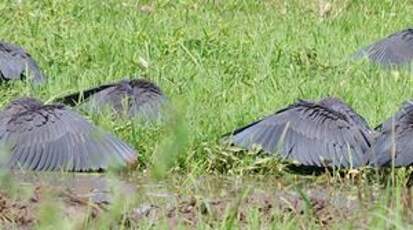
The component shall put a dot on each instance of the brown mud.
(186, 202)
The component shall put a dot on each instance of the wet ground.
(180, 201)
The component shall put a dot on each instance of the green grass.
(221, 63)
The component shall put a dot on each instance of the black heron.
(392, 51)
(394, 143)
(133, 98)
(17, 64)
(39, 137)
(327, 133)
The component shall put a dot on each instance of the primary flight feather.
(41, 137)
(327, 133)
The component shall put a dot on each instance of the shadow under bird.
(394, 50)
(325, 133)
(17, 64)
(39, 137)
(133, 98)
(394, 143)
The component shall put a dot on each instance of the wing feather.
(312, 134)
(396, 49)
(395, 137)
(56, 138)
(15, 62)
(77, 97)
(134, 98)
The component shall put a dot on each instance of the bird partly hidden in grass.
(394, 144)
(39, 137)
(396, 50)
(325, 133)
(133, 98)
(17, 64)
(328, 133)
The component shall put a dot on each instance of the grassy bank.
(222, 64)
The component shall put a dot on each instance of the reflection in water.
(97, 188)
(187, 198)
(102, 188)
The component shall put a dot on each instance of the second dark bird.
(133, 98)
(394, 144)
(17, 64)
(325, 133)
(396, 50)
(328, 133)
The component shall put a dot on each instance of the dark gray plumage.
(395, 139)
(16, 63)
(134, 98)
(394, 50)
(327, 133)
(41, 137)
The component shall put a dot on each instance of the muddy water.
(186, 199)
(100, 188)
(97, 188)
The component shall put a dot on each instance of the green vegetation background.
(222, 64)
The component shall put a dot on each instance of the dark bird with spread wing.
(394, 145)
(327, 133)
(39, 137)
(17, 64)
(394, 50)
(133, 98)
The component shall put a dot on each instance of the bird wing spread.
(59, 139)
(310, 134)
(78, 97)
(397, 49)
(14, 61)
